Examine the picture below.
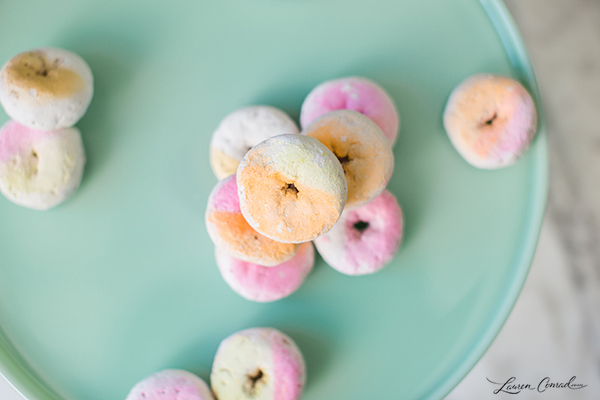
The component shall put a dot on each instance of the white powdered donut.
(258, 364)
(243, 129)
(46, 89)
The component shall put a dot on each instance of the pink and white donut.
(263, 284)
(230, 231)
(356, 94)
(40, 169)
(364, 239)
(490, 120)
(171, 384)
(258, 364)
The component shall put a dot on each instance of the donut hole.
(291, 189)
(254, 382)
(344, 160)
(361, 226)
(491, 120)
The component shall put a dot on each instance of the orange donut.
(362, 149)
(291, 188)
(231, 233)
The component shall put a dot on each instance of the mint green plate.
(120, 281)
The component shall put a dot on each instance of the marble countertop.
(554, 329)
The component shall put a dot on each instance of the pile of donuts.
(44, 92)
(282, 189)
(256, 363)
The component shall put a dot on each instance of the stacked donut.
(45, 92)
(256, 363)
(282, 189)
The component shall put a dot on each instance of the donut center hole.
(361, 226)
(291, 189)
(344, 160)
(254, 382)
(490, 121)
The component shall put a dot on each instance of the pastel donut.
(263, 284)
(258, 364)
(362, 149)
(230, 232)
(46, 89)
(357, 94)
(292, 188)
(243, 129)
(171, 384)
(365, 239)
(40, 169)
(490, 120)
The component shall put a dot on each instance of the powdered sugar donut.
(229, 230)
(258, 364)
(46, 89)
(171, 384)
(240, 131)
(356, 94)
(40, 169)
(365, 239)
(362, 149)
(258, 283)
(292, 188)
(490, 120)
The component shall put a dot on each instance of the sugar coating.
(40, 169)
(490, 120)
(291, 188)
(243, 129)
(171, 384)
(357, 94)
(263, 284)
(259, 364)
(353, 248)
(46, 89)
(364, 152)
(229, 230)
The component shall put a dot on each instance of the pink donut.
(356, 94)
(263, 284)
(490, 120)
(364, 239)
(171, 384)
(229, 230)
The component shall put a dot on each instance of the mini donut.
(240, 131)
(258, 364)
(292, 188)
(46, 89)
(490, 120)
(362, 149)
(365, 239)
(40, 169)
(230, 232)
(353, 93)
(171, 384)
(263, 284)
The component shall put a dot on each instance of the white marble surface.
(554, 330)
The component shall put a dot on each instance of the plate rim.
(515, 48)
(15, 370)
